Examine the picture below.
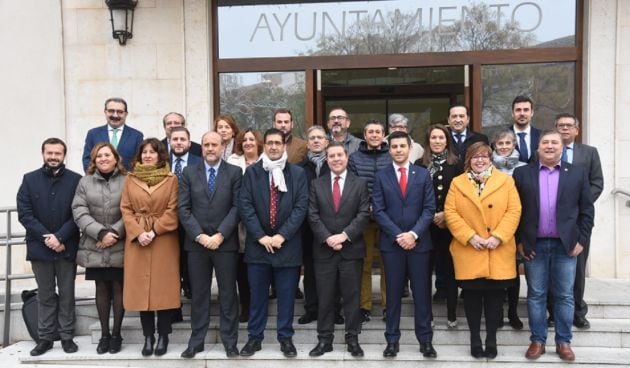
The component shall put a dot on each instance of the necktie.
(211, 180)
(114, 140)
(522, 148)
(564, 154)
(458, 142)
(336, 193)
(178, 169)
(273, 203)
(403, 181)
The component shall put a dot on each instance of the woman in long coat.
(149, 208)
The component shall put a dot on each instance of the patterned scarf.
(479, 180)
(437, 160)
(318, 159)
(151, 174)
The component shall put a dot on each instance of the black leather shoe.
(231, 351)
(308, 317)
(476, 350)
(272, 293)
(115, 344)
(288, 349)
(42, 346)
(103, 345)
(355, 349)
(427, 350)
(391, 350)
(190, 352)
(339, 320)
(321, 349)
(515, 322)
(581, 323)
(69, 346)
(491, 351)
(250, 348)
(147, 349)
(162, 345)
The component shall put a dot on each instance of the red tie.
(403, 181)
(336, 193)
(273, 203)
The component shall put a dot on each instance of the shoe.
(147, 349)
(162, 345)
(339, 320)
(288, 349)
(565, 352)
(272, 293)
(535, 350)
(307, 318)
(299, 294)
(405, 293)
(391, 350)
(491, 351)
(69, 346)
(115, 344)
(177, 316)
(365, 315)
(231, 351)
(244, 317)
(42, 346)
(581, 323)
(476, 350)
(440, 295)
(515, 322)
(451, 324)
(321, 349)
(103, 345)
(250, 348)
(187, 293)
(355, 349)
(190, 352)
(427, 350)
(384, 315)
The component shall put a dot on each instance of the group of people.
(151, 218)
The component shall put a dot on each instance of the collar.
(406, 166)
(527, 130)
(184, 157)
(342, 175)
(216, 167)
(110, 128)
(541, 165)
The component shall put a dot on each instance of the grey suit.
(202, 212)
(342, 267)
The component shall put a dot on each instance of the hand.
(109, 239)
(215, 241)
(492, 243)
(146, 238)
(439, 220)
(577, 250)
(51, 241)
(266, 242)
(406, 240)
(60, 248)
(478, 242)
(521, 251)
(336, 241)
(277, 240)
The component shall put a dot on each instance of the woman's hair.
(451, 157)
(475, 148)
(157, 147)
(504, 133)
(240, 138)
(97, 147)
(229, 120)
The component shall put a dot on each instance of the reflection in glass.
(393, 76)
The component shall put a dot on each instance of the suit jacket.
(192, 160)
(195, 148)
(202, 212)
(588, 157)
(395, 214)
(471, 137)
(574, 206)
(352, 217)
(253, 207)
(296, 149)
(127, 144)
(535, 137)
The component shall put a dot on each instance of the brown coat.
(151, 272)
(495, 213)
(296, 150)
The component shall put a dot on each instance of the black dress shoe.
(231, 351)
(476, 350)
(272, 293)
(162, 345)
(355, 349)
(147, 349)
(250, 348)
(581, 322)
(491, 351)
(391, 350)
(69, 346)
(115, 344)
(244, 317)
(42, 346)
(177, 316)
(190, 352)
(187, 293)
(427, 350)
(288, 349)
(308, 317)
(321, 349)
(299, 294)
(515, 322)
(339, 320)
(103, 345)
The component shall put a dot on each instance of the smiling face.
(250, 146)
(437, 141)
(504, 146)
(337, 159)
(458, 119)
(116, 114)
(225, 130)
(373, 135)
(550, 149)
(53, 155)
(105, 160)
(149, 156)
(480, 161)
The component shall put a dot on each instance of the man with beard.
(338, 124)
(173, 120)
(526, 135)
(44, 204)
(295, 146)
(123, 137)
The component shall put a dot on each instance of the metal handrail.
(622, 192)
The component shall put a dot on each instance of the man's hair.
(339, 108)
(566, 115)
(174, 113)
(398, 135)
(274, 131)
(336, 144)
(316, 127)
(522, 98)
(54, 140)
(373, 122)
(282, 110)
(180, 129)
(547, 132)
(398, 118)
(116, 99)
(458, 105)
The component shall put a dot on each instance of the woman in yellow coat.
(482, 212)
(149, 211)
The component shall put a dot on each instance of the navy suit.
(127, 148)
(535, 137)
(471, 137)
(195, 148)
(396, 214)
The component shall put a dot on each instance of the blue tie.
(211, 180)
(564, 154)
(522, 148)
(178, 169)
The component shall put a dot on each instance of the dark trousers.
(200, 266)
(285, 280)
(488, 301)
(147, 320)
(581, 308)
(55, 311)
(346, 274)
(242, 283)
(310, 288)
(444, 268)
(398, 264)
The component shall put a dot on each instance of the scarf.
(318, 159)
(276, 167)
(479, 180)
(437, 160)
(150, 174)
(506, 164)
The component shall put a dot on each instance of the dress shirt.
(548, 180)
(110, 132)
(216, 169)
(184, 162)
(462, 134)
(570, 151)
(528, 137)
(342, 180)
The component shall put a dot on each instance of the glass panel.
(550, 85)
(293, 28)
(253, 97)
(393, 76)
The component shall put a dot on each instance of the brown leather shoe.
(535, 350)
(565, 352)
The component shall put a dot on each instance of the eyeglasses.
(112, 111)
(398, 127)
(480, 158)
(565, 126)
(338, 117)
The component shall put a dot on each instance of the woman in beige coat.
(149, 208)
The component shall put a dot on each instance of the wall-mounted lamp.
(121, 16)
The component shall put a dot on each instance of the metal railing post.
(7, 287)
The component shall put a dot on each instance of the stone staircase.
(604, 344)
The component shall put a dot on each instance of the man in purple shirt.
(555, 226)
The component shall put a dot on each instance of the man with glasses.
(338, 124)
(172, 120)
(400, 123)
(123, 137)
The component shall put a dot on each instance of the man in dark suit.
(208, 210)
(403, 202)
(527, 136)
(555, 227)
(338, 212)
(172, 120)
(273, 249)
(458, 121)
(123, 137)
(587, 157)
